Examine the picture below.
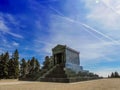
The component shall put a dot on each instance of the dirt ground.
(102, 84)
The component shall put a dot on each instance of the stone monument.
(67, 56)
(65, 65)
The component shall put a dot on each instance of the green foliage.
(46, 63)
(16, 63)
(23, 68)
(29, 69)
(11, 68)
(114, 75)
(37, 66)
(4, 58)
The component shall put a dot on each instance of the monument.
(67, 56)
(64, 65)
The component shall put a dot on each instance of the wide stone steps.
(57, 76)
(58, 72)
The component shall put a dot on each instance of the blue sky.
(92, 27)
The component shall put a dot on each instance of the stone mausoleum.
(69, 57)
(63, 62)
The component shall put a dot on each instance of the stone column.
(55, 59)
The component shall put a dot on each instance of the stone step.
(57, 75)
(57, 72)
(61, 80)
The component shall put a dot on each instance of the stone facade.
(67, 56)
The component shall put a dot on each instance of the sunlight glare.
(97, 1)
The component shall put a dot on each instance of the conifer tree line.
(29, 69)
(114, 75)
(12, 68)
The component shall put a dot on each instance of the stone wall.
(72, 57)
(72, 60)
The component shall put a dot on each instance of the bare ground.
(103, 84)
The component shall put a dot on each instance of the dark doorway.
(59, 58)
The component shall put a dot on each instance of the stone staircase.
(56, 74)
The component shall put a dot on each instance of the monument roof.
(64, 46)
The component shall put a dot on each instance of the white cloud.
(15, 35)
(104, 13)
(15, 44)
(3, 27)
(7, 30)
(64, 31)
(105, 16)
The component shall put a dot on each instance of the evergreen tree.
(4, 58)
(112, 75)
(11, 69)
(116, 74)
(5, 65)
(23, 68)
(1, 66)
(37, 66)
(46, 63)
(15, 57)
(32, 65)
(28, 67)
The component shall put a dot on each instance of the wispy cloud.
(68, 31)
(86, 27)
(105, 13)
(7, 30)
(15, 35)
(15, 43)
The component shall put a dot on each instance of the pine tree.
(15, 57)
(23, 68)
(11, 69)
(5, 65)
(1, 66)
(116, 74)
(112, 75)
(28, 67)
(46, 63)
(4, 58)
(32, 65)
(37, 66)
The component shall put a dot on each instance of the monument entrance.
(59, 58)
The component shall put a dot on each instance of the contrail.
(58, 12)
(90, 28)
(85, 26)
(112, 9)
(108, 43)
(91, 33)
